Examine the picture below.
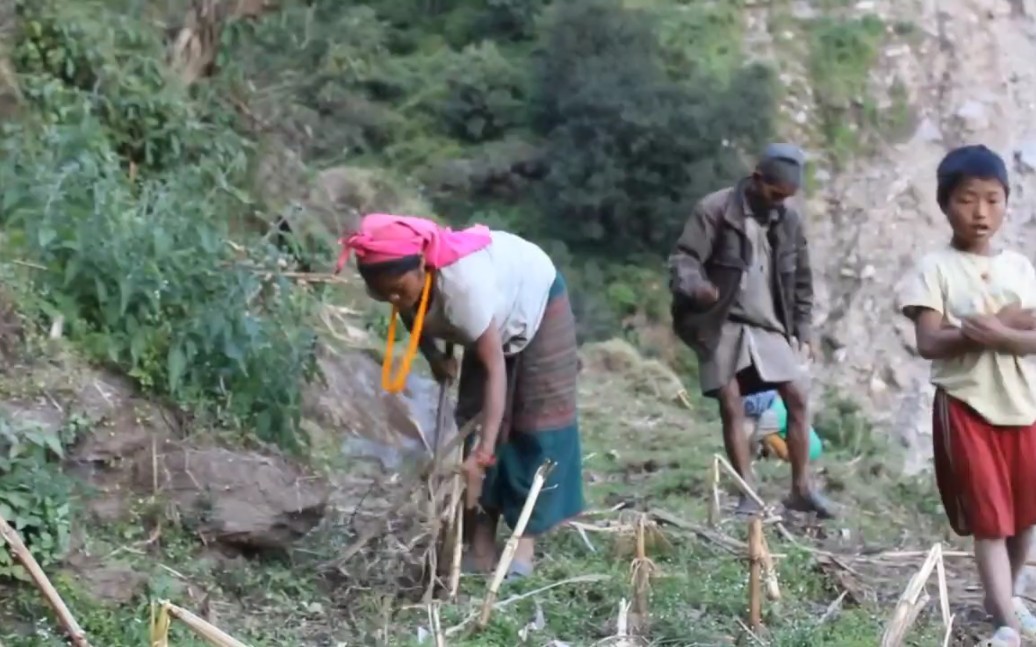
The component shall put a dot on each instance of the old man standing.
(743, 300)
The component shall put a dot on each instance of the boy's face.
(976, 210)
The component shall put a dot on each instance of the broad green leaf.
(176, 364)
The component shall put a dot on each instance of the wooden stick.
(944, 594)
(755, 561)
(741, 483)
(210, 632)
(435, 625)
(22, 554)
(911, 602)
(434, 517)
(578, 579)
(507, 557)
(773, 589)
(457, 538)
(714, 500)
(949, 632)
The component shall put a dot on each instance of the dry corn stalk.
(210, 633)
(538, 480)
(714, 499)
(22, 554)
(773, 589)
(755, 565)
(914, 598)
(456, 538)
(435, 625)
(641, 571)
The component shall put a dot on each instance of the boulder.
(238, 498)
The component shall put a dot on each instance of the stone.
(1025, 156)
(974, 115)
(239, 498)
(928, 131)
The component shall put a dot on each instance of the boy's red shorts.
(986, 473)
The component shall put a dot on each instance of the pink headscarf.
(384, 237)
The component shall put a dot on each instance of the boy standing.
(971, 307)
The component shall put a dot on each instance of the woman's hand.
(474, 470)
(444, 369)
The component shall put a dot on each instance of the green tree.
(629, 146)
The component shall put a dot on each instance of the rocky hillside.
(962, 68)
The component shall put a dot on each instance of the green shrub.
(480, 94)
(146, 280)
(34, 492)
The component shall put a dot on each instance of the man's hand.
(444, 369)
(987, 330)
(1015, 317)
(706, 294)
(806, 351)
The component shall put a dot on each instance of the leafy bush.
(481, 96)
(34, 492)
(140, 269)
(116, 66)
(147, 281)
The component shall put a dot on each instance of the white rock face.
(968, 72)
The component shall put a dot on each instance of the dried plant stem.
(642, 569)
(714, 499)
(579, 579)
(434, 514)
(741, 483)
(435, 625)
(457, 534)
(22, 554)
(210, 632)
(949, 632)
(755, 565)
(912, 601)
(773, 589)
(538, 480)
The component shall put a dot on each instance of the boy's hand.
(987, 330)
(1014, 316)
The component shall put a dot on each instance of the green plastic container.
(816, 447)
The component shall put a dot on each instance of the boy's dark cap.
(973, 160)
(783, 162)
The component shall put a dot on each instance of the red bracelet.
(485, 459)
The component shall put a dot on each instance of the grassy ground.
(645, 453)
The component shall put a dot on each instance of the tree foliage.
(630, 146)
(137, 261)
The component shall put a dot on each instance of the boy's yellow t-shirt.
(1000, 387)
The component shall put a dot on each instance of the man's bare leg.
(732, 414)
(803, 497)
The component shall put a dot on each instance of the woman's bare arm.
(489, 348)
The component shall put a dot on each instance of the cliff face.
(963, 72)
